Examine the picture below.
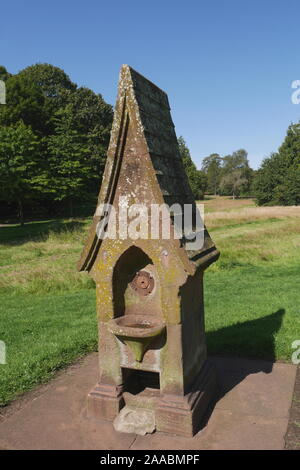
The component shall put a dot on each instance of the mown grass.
(47, 308)
(253, 311)
(43, 333)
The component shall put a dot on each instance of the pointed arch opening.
(135, 285)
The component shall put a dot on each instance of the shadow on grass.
(17, 235)
(253, 339)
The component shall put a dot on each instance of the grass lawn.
(47, 309)
(43, 333)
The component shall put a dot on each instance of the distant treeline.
(229, 176)
(276, 182)
(53, 141)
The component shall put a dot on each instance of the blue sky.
(227, 66)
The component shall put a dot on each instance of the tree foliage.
(68, 158)
(228, 175)
(236, 174)
(4, 75)
(212, 166)
(18, 164)
(70, 127)
(232, 182)
(277, 182)
(197, 178)
(24, 102)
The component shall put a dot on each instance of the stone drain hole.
(136, 381)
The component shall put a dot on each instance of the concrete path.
(251, 412)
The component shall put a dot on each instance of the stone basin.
(136, 331)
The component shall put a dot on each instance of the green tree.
(54, 85)
(197, 178)
(291, 188)
(19, 148)
(233, 182)
(238, 160)
(24, 102)
(277, 180)
(42, 96)
(92, 118)
(269, 176)
(69, 164)
(4, 74)
(236, 175)
(212, 166)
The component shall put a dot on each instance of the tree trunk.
(21, 213)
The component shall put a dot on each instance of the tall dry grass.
(280, 212)
(46, 263)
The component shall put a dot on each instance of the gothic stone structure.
(152, 350)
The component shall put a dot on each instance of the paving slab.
(255, 387)
(251, 412)
(226, 430)
(55, 416)
(292, 438)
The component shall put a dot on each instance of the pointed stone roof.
(143, 105)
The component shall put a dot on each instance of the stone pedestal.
(174, 414)
(104, 402)
(183, 415)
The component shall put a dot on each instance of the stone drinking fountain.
(153, 372)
